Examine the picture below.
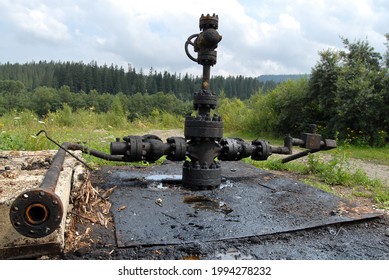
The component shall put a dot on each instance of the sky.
(259, 37)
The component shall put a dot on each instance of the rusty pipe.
(38, 212)
(299, 155)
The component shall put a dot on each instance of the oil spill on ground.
(363, 239)
(250, 206)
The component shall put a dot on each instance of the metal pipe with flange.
(38, 212)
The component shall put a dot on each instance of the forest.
(346, 94)
(81, 77)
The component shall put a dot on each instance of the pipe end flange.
(36, 213)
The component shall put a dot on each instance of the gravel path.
(373, 170)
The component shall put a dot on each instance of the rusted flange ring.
(36, 213)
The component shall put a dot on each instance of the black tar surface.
(361, 239)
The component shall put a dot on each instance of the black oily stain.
(203, 202)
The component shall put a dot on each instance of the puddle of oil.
(164, 178)
(125, 175)
(157, 180)
(226, 184)
(203, 202)
(157, 185)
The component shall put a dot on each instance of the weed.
(324, 187)
(276, 164)
(10, 142)
(334, 172)
(381, 196)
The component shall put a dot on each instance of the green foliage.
(116, 114)
(281, 110)
(339, 171)
(81, 77)
(381, 196)
(279, 78)
(324, 187)
(290, 107)
(63, 117)
(347, 96)
(334, 172)
(235, 114)
(322, 90)
(18, 131)
(275, 163)
(163, 120)
(141, 105)
(10, 142)
(12, 96)
(349, 93)
(95, 130)
(45, 100)
(373, 154)
(263, 119)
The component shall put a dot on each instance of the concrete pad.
(21, 171)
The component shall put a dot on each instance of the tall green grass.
(18, 129)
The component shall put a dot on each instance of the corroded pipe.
(38, 212)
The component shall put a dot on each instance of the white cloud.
(43, 26)
(288, 22)
(259, 37)
(38, 22)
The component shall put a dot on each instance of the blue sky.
(259, 37)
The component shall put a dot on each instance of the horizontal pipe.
(299, 155)
(38, 212)
(86, 150)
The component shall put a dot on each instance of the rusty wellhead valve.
(203, 131)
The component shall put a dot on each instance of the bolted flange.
(36, 213)
(197, 177)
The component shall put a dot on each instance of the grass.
(373, 154)
(96, 131)
(18, 130)
(319, 185)
(327, 175)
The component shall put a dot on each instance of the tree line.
(81, 77)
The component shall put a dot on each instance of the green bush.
(263, 117)
(164, 120)
(63, 117)
(235, 114)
